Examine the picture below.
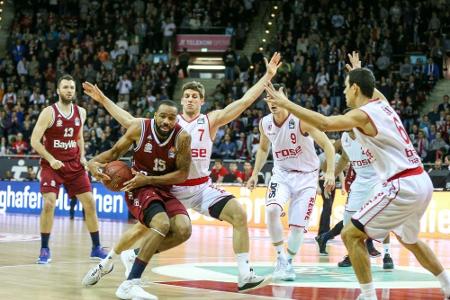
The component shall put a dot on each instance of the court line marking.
(193, 271)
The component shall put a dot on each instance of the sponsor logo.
(201, 121)
(57, 144)
(172, 152)
(292, 152)
(77, 122)
(148, 148)
(149, 137)
(360, 163)
(291, 124)
(59, 123)
(52, 183)
(202, 153)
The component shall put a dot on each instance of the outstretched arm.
(354, 118)
(124, 118)
(224, 116)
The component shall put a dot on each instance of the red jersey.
(153, 157)
(349, 178)
(60, 138)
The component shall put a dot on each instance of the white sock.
(281, 253)
(108, 260)
(387, 248)
(368, 291)
(295, 241)
(243, 264)
(444, 279)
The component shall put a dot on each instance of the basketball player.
(360, 191)
(58, 139)
(295, 176)
(197, 192)
(379, 130)
(161, 157)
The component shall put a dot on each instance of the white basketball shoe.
(95, 274)
(131, 289)
(127, 258)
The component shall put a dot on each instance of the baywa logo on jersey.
(148, 148)
(201, 121)
(77, 122)
(149, 137)
(172, 152)
(59, 123)
(291, 124)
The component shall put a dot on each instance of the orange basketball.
(119, 172)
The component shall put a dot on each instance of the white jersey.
(390, 151)
(365, 173)
(291, 149)
(201, 145)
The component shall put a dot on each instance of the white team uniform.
(400, 201)
(295, 170)
(197, 192)
(366, 177)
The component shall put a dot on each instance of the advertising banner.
(202, 42)
(24, 197)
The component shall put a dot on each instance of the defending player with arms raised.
(405, 193)
(161, 157)
(58, 139)
(197, 192)
(295, 177)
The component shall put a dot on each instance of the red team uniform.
(60, 140)
(154, 158)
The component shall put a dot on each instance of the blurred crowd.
(124, 47)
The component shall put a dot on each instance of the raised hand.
(93, 91)
(355, 63)
(273, 65)
(275, 97)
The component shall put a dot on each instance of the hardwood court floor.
(202, 268)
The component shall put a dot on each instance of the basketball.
(119, 172)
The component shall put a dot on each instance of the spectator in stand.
(218, 171)
(19, 146)
(421, 145)
(8, 176)
(229, 60)
(248, 169)
(31, 174)
(253, 141)
(124, 87)
(227, 148)
(235, 176)
(445, 105)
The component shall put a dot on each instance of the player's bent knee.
(273, 211)
(160, 222)
(184, 231)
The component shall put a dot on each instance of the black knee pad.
(153, 209)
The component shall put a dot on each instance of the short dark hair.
(364, 79)
(166, 102)
(64, 77)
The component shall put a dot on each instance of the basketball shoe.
(252, 281)
(290, 272)
(280, 272)
(44, 257)
(322, 244)
(95, 274)
(127, 257)
(345, 262)
(98, 253)
(131, 289)
(388, 264)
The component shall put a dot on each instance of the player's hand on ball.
(96, 170)
(137, 181)
(251, 183)
(56, 164)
